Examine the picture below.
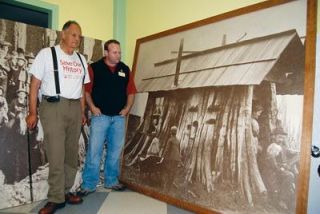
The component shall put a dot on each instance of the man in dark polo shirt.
(110, 96)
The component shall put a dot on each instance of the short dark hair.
(107, 43)
(68, 23)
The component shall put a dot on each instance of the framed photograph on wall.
(222, 121)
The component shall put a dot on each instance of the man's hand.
(95, 111)
(83, 119)
(31, 120)
(124, 112)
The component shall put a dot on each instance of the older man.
(61, 112)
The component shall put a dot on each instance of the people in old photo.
(3, 108)
(18, 69)
(4, 65)
(281, 171)
(13, 109)
(171, 159)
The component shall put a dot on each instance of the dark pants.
(169, 172)
(61, 125)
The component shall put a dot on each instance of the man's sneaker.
(84, 192)
(117, 187)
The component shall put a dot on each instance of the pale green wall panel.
(119, 24)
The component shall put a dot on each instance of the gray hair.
(68, 23)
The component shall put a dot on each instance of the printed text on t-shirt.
(71, 67)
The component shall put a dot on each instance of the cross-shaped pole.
(179, 59)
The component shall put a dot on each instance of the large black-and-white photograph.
(19, 44)
(217, 122)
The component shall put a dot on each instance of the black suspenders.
(55, 69)
(84, 70)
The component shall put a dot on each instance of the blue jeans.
(109, 130)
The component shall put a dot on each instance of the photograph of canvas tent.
(229, 129)
(218, 117)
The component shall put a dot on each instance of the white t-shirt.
(70, 72)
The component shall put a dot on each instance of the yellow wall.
(95, 17)
(146, 17)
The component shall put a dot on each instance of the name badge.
(121, 74)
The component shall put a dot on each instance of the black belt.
(51, 99)
(57, 98)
